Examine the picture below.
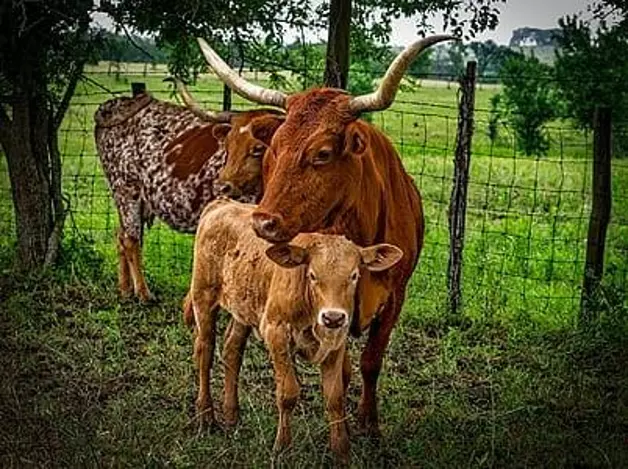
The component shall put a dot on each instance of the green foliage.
(528, 101)
(591, 69)
(43, 47)
(238, 30)
(490, 58)
(117, 48)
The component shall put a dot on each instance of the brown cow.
(162, 160)
(327, 170)
(299, 297)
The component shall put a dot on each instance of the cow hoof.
(368, 429)
(282, 442)
(231, 417)
(146, 297)
(206, 425)
(126, 295)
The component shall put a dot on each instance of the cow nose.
(333, 319)
(265, 225)
(225, 188)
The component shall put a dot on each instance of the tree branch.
(135, 44)
(75, 76)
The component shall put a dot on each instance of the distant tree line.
(120, 48)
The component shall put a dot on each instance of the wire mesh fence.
(527, 216)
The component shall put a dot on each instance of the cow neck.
(367, 220)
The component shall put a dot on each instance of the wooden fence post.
(458, 202)
(600, 215)
(138, 88)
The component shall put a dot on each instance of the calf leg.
(205, 304)
(236, 336)
(334, 389)
(371, 364)
(287, 386)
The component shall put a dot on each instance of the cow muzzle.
(270, 227)
(226, 189)
(333, 318)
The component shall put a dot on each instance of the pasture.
(90, 381)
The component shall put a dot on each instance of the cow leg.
(205, 304)
(124, 272)
(334, 389)
(287, 386)
(371, 364)
(236, 336)
(133, 251)
(129, 205)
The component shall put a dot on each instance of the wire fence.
(527, 216)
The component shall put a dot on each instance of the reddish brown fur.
(243, 168)
(190, 150)
(362, 191)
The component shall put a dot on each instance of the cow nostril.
(265, 225)
(333, 319)
(269, 225)
(226, 188)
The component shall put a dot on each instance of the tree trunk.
(34, 171)
(337, 61)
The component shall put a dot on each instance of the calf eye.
(311, 276)
(323, 157)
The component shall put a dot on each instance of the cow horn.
(384, 96)
(238, 84)
(193, 105)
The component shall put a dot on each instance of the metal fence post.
(138, 88)
(458, 202)
(600, 215)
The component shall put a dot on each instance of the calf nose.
(333, 319)
(265, 225)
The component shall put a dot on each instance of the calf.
(162, 160)
(299, 297)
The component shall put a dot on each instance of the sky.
(543, 14)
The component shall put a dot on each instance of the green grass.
(87, 380)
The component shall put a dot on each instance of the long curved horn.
(384, 96)
(193, 105)
(247, 90)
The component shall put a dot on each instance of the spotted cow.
(162, 160)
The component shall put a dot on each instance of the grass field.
(89, 381)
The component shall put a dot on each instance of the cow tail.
(188, 310)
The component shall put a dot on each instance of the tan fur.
(232, 270)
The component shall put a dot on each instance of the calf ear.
(380, 257)
(263, 128)
(287, 255)
(220, 131)
(355, 140)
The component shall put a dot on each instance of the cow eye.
(311, 276)
(258, 151)
(323, 157)
(354, 276)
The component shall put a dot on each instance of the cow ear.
(380, 257)
(355, 140)
(220, 131)
(287, 255)
(263, 128)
